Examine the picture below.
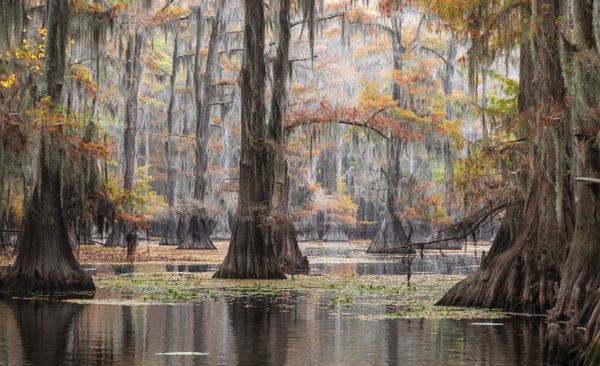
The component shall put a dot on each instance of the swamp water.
(277, 328)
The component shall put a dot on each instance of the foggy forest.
(300, 182)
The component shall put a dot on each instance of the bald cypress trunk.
(133, 75)
(170, 235)
(391, 237)
(195, 233)
(284, 237)
(524, 275)
(448, 87)
(250, 253)
(45, 261)
(578, 300)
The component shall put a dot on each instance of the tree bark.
(45, 261)
(250, 253)
(133, 75)
(283, 235)
(448, 86)
(197, 235)
(170, 235)
(578, 300)
(524, 276)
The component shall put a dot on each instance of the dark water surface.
(277, 329)
(284, 329)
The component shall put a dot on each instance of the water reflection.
(400, 265)
(286, 329)
(448, 265)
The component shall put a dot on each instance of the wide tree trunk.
(45, 261)
(250, 253)
(283, 235)
(525, 275)
(578, 300)
(197, 235)
(133, 75)
(170, 235)
(391, 237)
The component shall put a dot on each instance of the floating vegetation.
(378, 296)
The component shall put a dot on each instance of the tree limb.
(320, 19)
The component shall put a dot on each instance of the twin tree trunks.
(251, 253)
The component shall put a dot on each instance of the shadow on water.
(289, 328)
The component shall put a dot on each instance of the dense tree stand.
(194, 229)
(194, 232)
(250, 253)
(133, 73)
(170, 235)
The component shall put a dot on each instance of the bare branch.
(303, 59)
(319, 19)
(587, 180)
(221, 102)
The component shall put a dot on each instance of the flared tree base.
(287, 251)
(518, 279)
(116, 238)
(193, 233)
(250, 255)
(170, 235)
(55, 281)
(390, 239)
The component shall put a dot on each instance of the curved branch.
(320, 19)
(365, 124)
(441, 57)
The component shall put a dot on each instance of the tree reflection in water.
(269, 329)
